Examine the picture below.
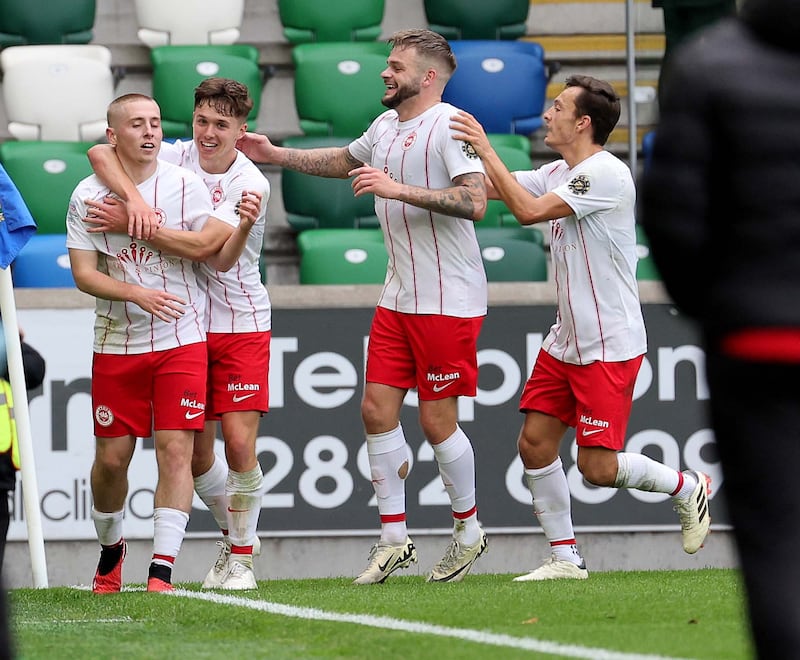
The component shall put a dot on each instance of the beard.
(401, 93)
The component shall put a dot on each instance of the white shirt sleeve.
(591, 189)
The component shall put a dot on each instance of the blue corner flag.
(16, 223)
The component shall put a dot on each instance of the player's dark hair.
(600, 102)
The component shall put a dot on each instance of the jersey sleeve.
(533, 181)
(361, 148)
(591, 189)
(77, 236)
(172, 152)
(459, 157)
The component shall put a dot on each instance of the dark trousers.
(4, 522)
(755, 410)
(6, 648)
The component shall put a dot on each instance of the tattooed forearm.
(466, 199)
(329, 162)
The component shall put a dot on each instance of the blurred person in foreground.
(684, 18)
(721, 206)
(586, 369)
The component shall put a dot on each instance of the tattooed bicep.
(473, 180)
(352, 161)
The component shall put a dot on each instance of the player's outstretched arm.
(332, 162)
(142, 219)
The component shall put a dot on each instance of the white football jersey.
(594, 258)
(237, 299)
(435, 265)
(181, 200)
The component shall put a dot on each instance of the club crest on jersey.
(409, 141)
(469, 150)
(135, 254)
(580, 184)
(217, 195)
(161, 217)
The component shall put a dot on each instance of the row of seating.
(510, 254)
(192, 22)
(337, 86)
(344, 256)
(358, 256)
(314, 202)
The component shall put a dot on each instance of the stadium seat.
(645, 266)
(361, 261)
(338, 86)
(513, 260)
(344, 236)
(321, 202)
(647, 147)
(188, 22)
(511, 140)
(497, 213)
(478, 19)
(57, 92)
(45, 174)
(502, 83)
(177, 70)
(29, 22)
(306, 21)
(518, 232)
(43, 262)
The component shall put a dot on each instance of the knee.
(372, 414)
(111, 464)
(535, 452)
(433, 428)
(598, 473)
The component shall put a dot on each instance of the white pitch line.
(387, 623)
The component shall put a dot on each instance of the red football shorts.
(238, 372)
(595, 398)
(163, 390)
(436, 354)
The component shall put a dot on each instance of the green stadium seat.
(188, 22)
(519, 232)
(513, 260)
(338, 86)
(306, 21)
(321, 202)
(345, 236)
(26, 22)
(511, 141)
(361, 261)
(497, 213)
(45, 174)
(177, 70)
(478, 19)
(645, 266)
